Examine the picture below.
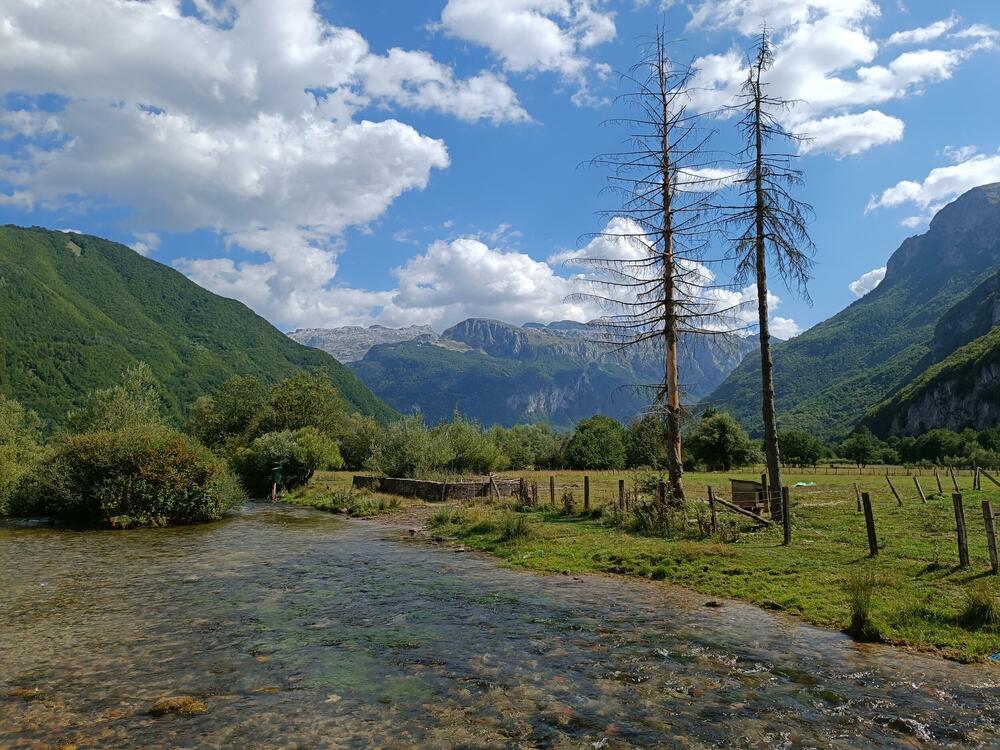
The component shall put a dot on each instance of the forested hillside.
(76, 310)
(831, 375)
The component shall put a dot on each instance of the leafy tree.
(470, 449)
(304, 400)
(644, 443)
(529, 446)
(801, 448)
(720, 443)
(597, 443)
(407, 448)
(231, 411)
(19, 449)
(136, 401)
(862, 447)
(360, 435)
(936, 445)
(299, 454)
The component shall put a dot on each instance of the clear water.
(300, 630)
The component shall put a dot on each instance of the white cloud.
(784, 328)
(925, 33)
(241, 118)
(958, 154)
(867, 281)
(940, 186)
(536, 35)
(145, 243)
(846, 135)
(827, 62)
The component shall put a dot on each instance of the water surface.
(301, 630)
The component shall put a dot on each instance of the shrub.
(139, 476)
(470, 449)
(135, 402)
(299, 454)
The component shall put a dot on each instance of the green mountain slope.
(76, 310)
(500, 373)
(831, 375)
(962, 389)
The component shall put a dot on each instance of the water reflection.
(297, 629)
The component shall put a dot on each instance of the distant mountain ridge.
(829, 377)
(501, 373)
(77, 310)
(351, 343)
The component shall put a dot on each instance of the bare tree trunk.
(771, 449)
(675, 463)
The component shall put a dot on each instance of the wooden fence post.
(534, 494)
(895, 494)
(866, 501)
(522, 491)
(991, 535)
(711, 506)
(920, 490)
(786, 515)
(954, 481)
(857, 495)
(552, 490)
(621, 494)
(963, 540)
(976, 481)
(586, 494)
(937, 478)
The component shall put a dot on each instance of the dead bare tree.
(770, 223)
(654, 281)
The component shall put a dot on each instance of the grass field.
(920, 598)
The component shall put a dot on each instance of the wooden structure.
(748, 494)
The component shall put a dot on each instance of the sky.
(342, 162)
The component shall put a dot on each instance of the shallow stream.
(301, 630)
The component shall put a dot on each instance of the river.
(299, 629)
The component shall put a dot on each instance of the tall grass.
(514, 527)
(982, 607)
(861, 586)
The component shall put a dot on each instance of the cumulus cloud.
(828, 63)
(846, 135)
(866, 282)
(785, 328)
(536, 35)
(925, 33)
(242, 117)
(938, 187)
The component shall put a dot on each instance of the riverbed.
(299, 629)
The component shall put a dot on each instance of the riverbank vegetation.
(913, 594)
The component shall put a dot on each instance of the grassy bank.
(913, 595)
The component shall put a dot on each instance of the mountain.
(558, 373)
(76, 310)
(351, 343)
(962, 387)
(830, 376)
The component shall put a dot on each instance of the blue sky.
(336, 162)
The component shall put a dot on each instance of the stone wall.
(436, 491)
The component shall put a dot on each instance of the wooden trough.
(747, 494)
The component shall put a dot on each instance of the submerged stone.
(184, 705)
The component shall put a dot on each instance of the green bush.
(514, 527)
(299, 454)
(719, 443)
(407, 448)
(138, 476)
(19, 449)
(597, 443)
